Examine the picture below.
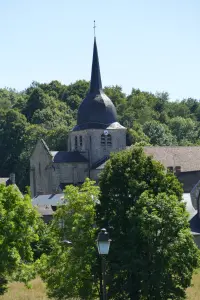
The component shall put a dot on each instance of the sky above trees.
(151, 45)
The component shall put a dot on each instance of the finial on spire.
(94, 29)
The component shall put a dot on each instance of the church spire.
(95, 83)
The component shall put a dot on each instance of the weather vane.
(94, 29)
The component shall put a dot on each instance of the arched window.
(103, 140)
(76, 143)
(81, 140)
(109, 140)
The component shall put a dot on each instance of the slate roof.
(188, 158)
(67, 157)
(100, 163)
(45, 204)
(96, 110)
(50, 199)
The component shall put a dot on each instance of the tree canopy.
(152, 255)
(18, 226)
(49, 111)
(68, 270)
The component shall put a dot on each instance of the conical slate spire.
(96, 111)
(95, 83)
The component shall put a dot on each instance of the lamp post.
(103, 244)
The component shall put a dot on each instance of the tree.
(136, 135)
(37, 100)
(18, 224)
(184, 129)
(68, 269)
(116, 94)
(158, 134)
(133, 256)
(12, 129)
(162, 247)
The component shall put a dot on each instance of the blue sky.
(147, 44)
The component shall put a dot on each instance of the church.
(88, 146)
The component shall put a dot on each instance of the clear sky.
(153, 45)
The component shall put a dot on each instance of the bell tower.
(97, 132)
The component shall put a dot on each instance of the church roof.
(96, 111)
(99, 165)
(67, 157)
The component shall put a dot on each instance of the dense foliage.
(67, 270)
(18, 230)
(49, 111)
(152, 254)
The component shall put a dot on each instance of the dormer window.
(76, 143)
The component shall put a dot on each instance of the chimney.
(178, 169)
(12, 178)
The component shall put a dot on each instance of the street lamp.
(103, 245)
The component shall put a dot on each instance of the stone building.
(89, 144)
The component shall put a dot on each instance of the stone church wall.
(69, 173)
(40, 170)
(91, 146)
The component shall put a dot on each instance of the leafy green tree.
(57, 137)
(79, 88)
(37, 100)
(161, 101)
(178, 109)
(68, 269)
(18, 224)
(126, 176)
(12, 130)
(136, 135)
(45, 242)
(162, 251)
(117, 96)
(184, 129)
(158, 134)
(192, 104)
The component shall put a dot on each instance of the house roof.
(188, 158)
(45, 210)
(67, 157)
(100, 163)
(50, 199)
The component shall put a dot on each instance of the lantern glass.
(103, 247)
